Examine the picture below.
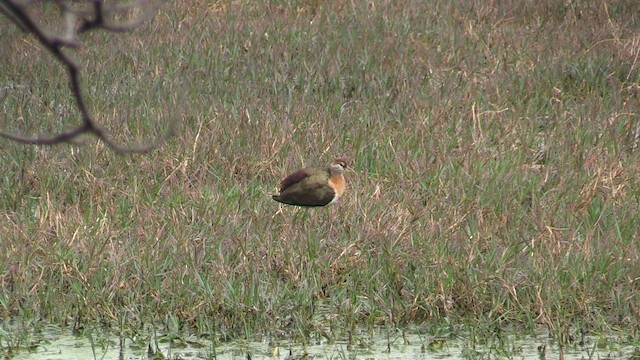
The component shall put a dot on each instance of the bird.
(313, 187)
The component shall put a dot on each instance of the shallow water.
(61, 345)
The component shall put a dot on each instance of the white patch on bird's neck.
(336, 169)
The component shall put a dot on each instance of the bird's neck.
(337, 183)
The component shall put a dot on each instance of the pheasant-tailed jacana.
(314, 187)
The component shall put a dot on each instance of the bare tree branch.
(17, 12)
(101, 22)
(7, 13)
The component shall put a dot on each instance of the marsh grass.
(495, 176)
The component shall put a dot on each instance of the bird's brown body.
(313, 187)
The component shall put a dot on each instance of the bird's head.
(338, 166)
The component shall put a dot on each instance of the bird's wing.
(293, 178)
(299, 176)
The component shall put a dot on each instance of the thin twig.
(18, 14)
(12, 17)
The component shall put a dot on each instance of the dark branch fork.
(17, 12)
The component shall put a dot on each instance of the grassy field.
(495, 182)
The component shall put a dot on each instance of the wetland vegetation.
(495, 182)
